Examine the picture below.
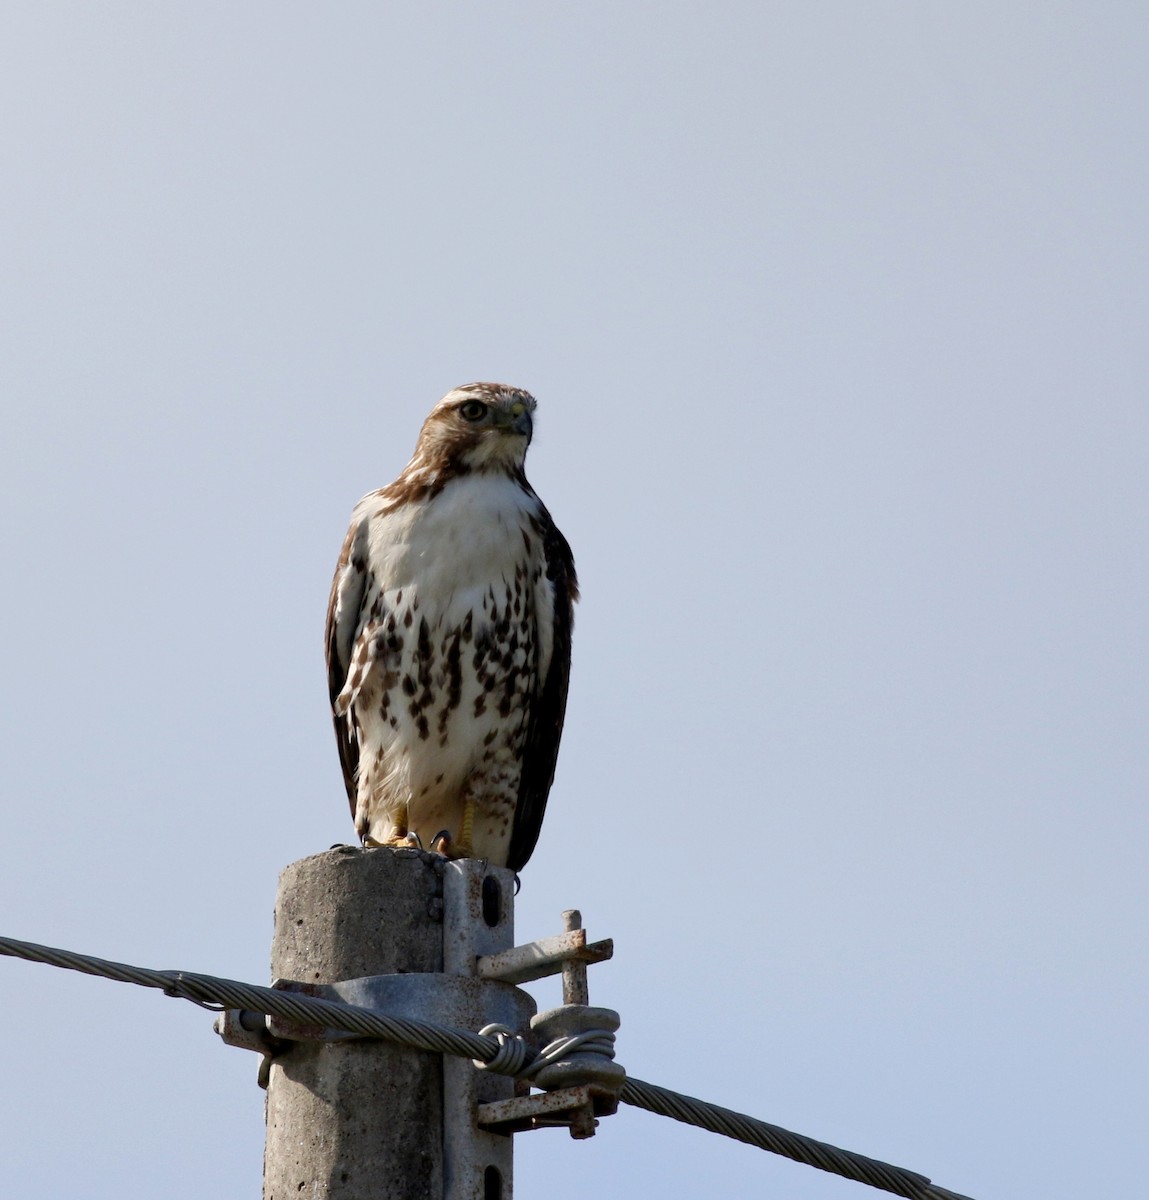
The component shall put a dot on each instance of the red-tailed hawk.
(448, 640)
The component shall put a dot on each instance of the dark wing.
(344, 612)
(546, 722)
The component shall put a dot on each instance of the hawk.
(449, 639)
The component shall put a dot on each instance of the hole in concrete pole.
(492, 1184)
(492, 901)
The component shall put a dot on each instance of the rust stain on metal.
(547, 956)
(573, 1108)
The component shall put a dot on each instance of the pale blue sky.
(836, 317)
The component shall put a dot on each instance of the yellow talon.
(401, 836)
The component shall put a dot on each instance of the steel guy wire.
(210, 991)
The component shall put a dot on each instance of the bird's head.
(479, 427)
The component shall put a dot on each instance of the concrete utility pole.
(410, 935)
(348, 1120)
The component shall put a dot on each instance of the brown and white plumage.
(448, 638)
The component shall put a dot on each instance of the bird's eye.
(473, 410)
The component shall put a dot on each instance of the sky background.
(836, 317)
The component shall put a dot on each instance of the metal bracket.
(247, 1030)
(547, 956)
(445, 999)
(573, 1108)
(478, 919)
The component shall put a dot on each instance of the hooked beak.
(518, 420)
(523, 424)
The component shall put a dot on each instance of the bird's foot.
(403, 841)
(443, 843)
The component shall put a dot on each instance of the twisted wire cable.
(496, 1053)
(210, 991)
(795, 1146)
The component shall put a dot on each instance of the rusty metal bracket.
(547, 956)
(574, 1108)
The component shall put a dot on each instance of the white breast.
(451, 548)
